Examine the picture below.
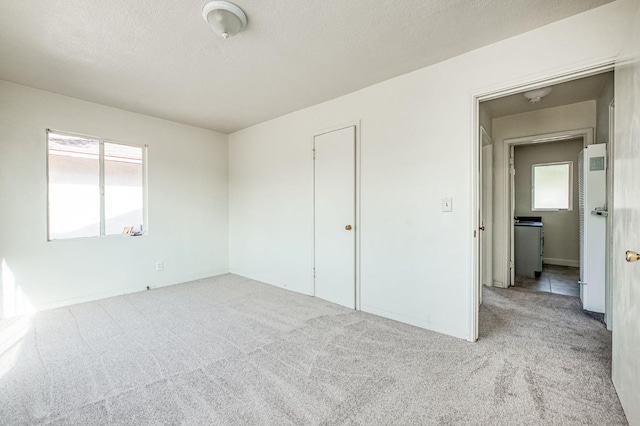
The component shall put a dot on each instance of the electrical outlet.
(447, 204)
(160, 265)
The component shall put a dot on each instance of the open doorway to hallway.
(537, 233)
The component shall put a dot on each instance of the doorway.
(335, 213)
(571, 96)
(545, 193)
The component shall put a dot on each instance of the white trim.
(609, 273)
(356, 124)
(484, 136)
(587, 137)
(145, 191)
(544, 79)
(101, 182)
(46, 156)
(128, 290)
(586, 133)
(511, 204)
(599, 67)
(433, 327)
(476, 190)
(561, 262)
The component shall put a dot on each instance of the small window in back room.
(96, 187)
(551, 186)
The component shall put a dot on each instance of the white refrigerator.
(593, 221)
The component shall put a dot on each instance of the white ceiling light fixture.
(535, 96)
(226, 19)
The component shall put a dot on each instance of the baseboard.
(415, 322)
(561, 262)
(118, 292)
(273, 282)
(368, 309)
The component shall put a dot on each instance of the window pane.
(123, 196)
(74, 187)
(551, 186)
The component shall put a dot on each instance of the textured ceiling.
(571, 92)
(160, 58)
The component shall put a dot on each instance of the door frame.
(608, 315)
(482, 235)
(356, 226)
(499, 91)
(587, 136)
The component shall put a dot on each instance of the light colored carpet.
(229, 350)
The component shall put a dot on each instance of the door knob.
(632, 256)
(481, 228)
(348, 227)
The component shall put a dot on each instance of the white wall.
(416, 148)
(626, 229)
(187, 191)
(561, 228)
(569, 117)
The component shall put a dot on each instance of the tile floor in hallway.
(554, 279)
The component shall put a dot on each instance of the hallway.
(554, 279)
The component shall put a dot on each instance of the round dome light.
(226, 19)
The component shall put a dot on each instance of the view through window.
(96, 187)
(551, 186)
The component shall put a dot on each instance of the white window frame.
(533, 186)
(101, 142)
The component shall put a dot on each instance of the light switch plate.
(447, 204)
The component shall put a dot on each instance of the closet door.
(334, 216)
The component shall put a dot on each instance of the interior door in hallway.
(334, 216)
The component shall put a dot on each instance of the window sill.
(112, 236)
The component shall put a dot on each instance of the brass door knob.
(631, 256)
(348, 227)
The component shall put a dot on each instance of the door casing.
(486, 211)
(551, 78)
(509, 145)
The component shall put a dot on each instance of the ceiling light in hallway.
(536, 96)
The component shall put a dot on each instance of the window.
(551, 186)
(96, 187)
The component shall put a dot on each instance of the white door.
(487, 215)
(334, 228)
(626, 234)
(593, 227)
